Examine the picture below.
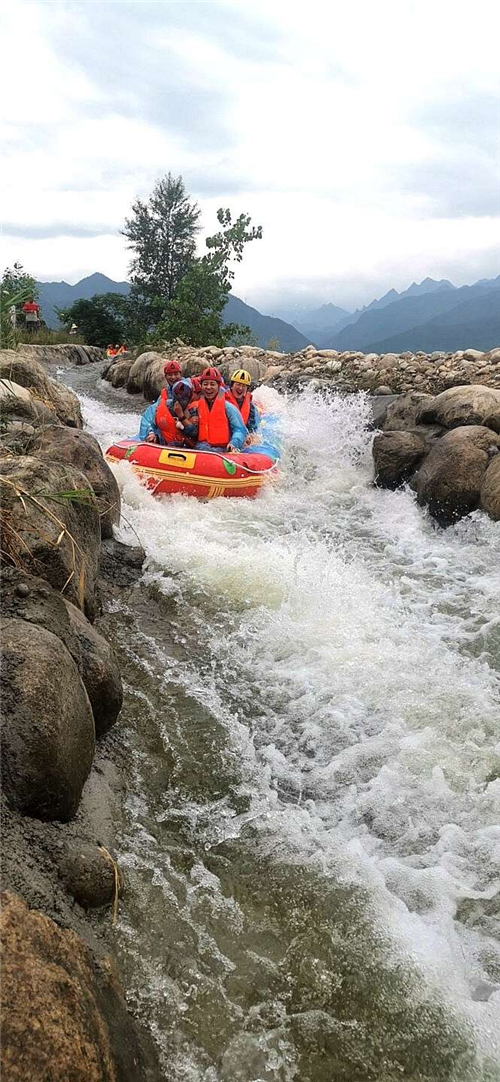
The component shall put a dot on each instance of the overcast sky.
(364, 137)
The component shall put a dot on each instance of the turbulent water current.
(311, 834)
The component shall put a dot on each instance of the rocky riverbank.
(63, 1012)
(446, 447)
(345, 372)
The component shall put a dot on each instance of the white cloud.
(321, 127)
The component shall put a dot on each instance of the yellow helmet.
(240, 376)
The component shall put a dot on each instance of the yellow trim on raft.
(215, 483)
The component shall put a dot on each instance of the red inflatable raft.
(195, 473)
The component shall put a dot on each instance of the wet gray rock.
(121, 564)
(99, 671)
(48, 734)
(51, 525)
(88, 874)
(396, 455)
(490, 489)
(405, 411)
(29, 597)
(82, 451)
(450, 479)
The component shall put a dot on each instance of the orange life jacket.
(243, 406)
(166, 423)
(213, 425)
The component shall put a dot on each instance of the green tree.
(161, 233)
(102, 320)
(195, 311)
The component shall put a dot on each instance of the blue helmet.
(182, 390)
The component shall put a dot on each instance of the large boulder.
(51, 526)
(469, 405)
(154, 379)
(490, 489)
(138, 369)
(30, 598)
(64, 1018)
(27, 372)
(396, 456)
(27, 597)
(450, 478)
(81, 450)
(118, 374)
(48, 734)
(99, 671)
(405, 411)
(88, 874)
(20, 411)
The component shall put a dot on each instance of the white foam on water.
(367, 642)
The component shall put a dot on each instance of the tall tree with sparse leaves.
(195, 311)
(161, 234)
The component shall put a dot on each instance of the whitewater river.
(311, 833)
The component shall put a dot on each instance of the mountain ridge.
(266, 328)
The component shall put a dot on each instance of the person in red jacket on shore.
(31, 314)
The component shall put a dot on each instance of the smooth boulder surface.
(396, 455)
(29, 597)
(405, 411)
(490, 489)
(99, 671)
(51, 526)
(88, 874)
(64, 1018)
(82, 450)
(26, 371)
(20, 412)
(450, 478)
(470, 405)
(70, 353)
(119, 372)
(48, 732)
(139, 368)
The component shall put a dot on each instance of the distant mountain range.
(266, 329)
(429, 315)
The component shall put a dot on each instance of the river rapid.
(311, 828)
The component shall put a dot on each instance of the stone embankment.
(63, 1014)
(345, 372)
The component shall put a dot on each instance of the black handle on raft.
(176, 454)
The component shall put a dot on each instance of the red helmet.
(172, 368)
(211, 373)
(196, 384)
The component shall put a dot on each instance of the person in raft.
(241, 397)
(212, 420)
(166, 422)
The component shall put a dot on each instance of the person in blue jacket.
(174, 401)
